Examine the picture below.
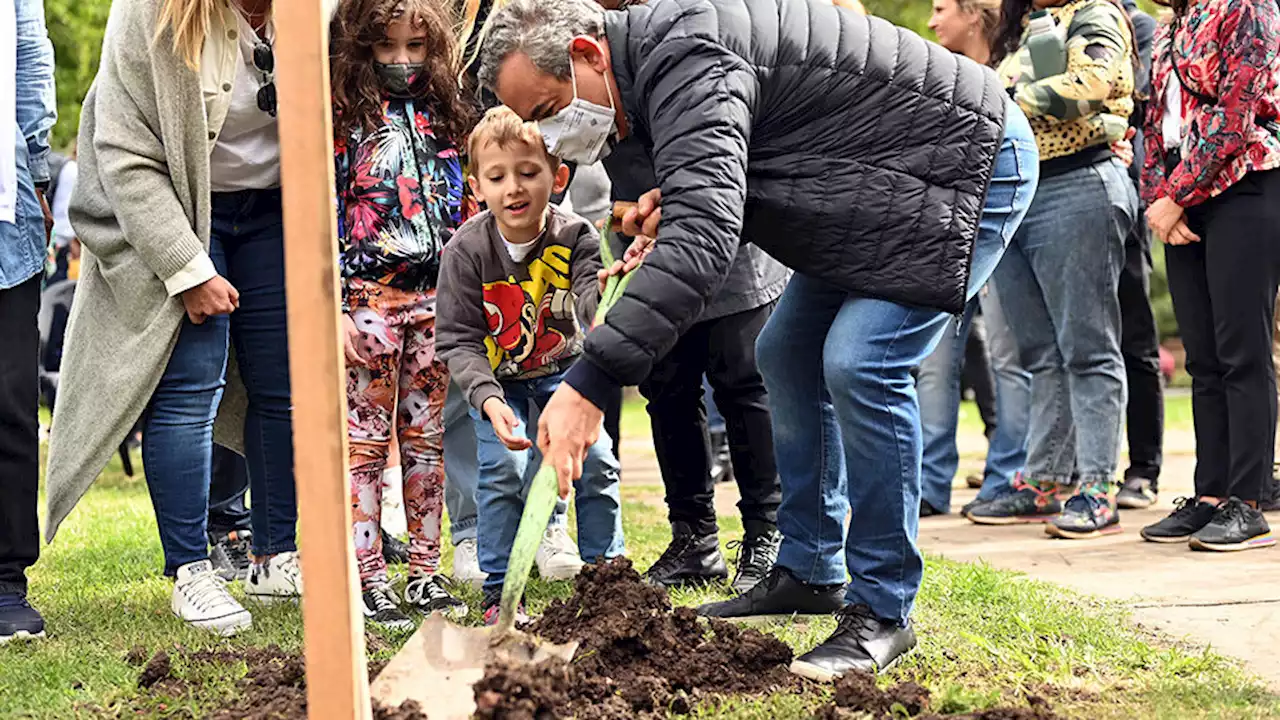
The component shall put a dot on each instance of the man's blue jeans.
(938, 385)
(247, 248)
(846, 420)
(1058, 284)
(505, 476)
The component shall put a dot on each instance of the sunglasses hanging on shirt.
(264, 60)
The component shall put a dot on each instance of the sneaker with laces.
(756, 556)
(230, 555)
(1085, 516)
(466, 564)
(427, 594)
(557, 555)
(382, 607)
(1137, 493)
(1189, 516)
(690, 559)
(394, 550)
(279, 577)
(1235, 526)
(491, 607)
(778, 595)
(18, 620)
(201, 599)
(861, 642)
(1026, 504)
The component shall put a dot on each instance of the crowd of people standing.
(818, 220)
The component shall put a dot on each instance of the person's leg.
(501, 491)
(1140, 348)
(715, 421)
(597, 495)
(19, 439)
(460, 471)
(1007, 448)
(424, 384)
(938, 390)
(228, 486)
(259, 332)
(976, 374)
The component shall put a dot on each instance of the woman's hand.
(1163, 217)
(504, 422)
(215, 296)
(350, 336)
(1181, 234)
(1123, 149)
(642, 217)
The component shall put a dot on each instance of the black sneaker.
(1024, 505)
(721, 464)
(394, 550)
(427, 594)
(382, 607)
(1235, 526)
(927, 510)
(230, 555)
(756, 556)
(1270, 501)
(779, 594)
(1084, 517)
(861, 642)
(1137, 493)
(689, 559)
(1189, 516)
(18, 620)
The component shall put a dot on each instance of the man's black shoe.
(1189, 516)
(756, 557)
(394, 550)
(861, 642)
(18, 620)
(1235, 526)
(689, 559)
(779, 594)
(721, 464)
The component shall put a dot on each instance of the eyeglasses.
(264, 59)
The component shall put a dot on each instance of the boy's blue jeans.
(505, 476)
(846, 419)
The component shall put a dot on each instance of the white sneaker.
(200, 597)
(557, 556)
(279, 578)
(466, 564)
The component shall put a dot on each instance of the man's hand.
(48, 215)
(215, 296)
(504, 424)
(350, 336)
(631, 259)
(569, 426)
(643, 217)
(1163, 217)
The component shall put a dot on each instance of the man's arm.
(37, 108)
(699, 100)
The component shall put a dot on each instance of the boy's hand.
(504, 424)
(642, 217)
(349, 337)
(631, 259)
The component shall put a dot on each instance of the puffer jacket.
(848, 148)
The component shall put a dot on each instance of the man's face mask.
(580, 131)
(396, 78)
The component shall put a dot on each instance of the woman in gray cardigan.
(178, 208)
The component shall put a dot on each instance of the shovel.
(441, 661)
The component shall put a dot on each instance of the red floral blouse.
(1225, 50)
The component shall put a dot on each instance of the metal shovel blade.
(441, 661)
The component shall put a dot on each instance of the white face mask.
(580, 131)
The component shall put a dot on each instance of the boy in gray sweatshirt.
(518, 288)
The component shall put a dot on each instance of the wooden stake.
(337, 681)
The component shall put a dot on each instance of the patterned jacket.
(1225, 50)
(1089, 104)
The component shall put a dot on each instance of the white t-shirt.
(519, 251)
(247, 153)
(1171, 120)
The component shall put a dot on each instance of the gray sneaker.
(1137, 493)
(230, 555)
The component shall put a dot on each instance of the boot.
(690, 558)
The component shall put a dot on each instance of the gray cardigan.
(141, 209)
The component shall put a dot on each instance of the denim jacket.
(22, 244)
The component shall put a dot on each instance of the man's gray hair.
(541, 29)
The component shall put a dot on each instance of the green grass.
(987, 636)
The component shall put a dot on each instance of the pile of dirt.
(856, 695)
(636, 656)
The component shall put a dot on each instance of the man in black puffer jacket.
(853, 151)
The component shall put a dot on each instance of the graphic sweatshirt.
(498, 319)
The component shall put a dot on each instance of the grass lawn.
(987, 636)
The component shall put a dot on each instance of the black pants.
(976, 375)
(227, 490)
(725, 349)
(1224, 290)
(19, 433)
(1140, 346)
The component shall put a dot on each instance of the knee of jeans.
(849, 371)
(772, 354)
(600, 471)
(501, 472)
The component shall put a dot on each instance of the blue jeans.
(846, 420)
(1059, 286)
(247, 248)
(715, 421)
(461, 473)
(938, 385)
(505, 476)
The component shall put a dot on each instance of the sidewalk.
(1230, 602)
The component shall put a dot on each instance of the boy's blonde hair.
(501, 126)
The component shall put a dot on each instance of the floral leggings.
(397, 338)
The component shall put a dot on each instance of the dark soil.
(857, 696)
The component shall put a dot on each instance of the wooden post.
(337, 681)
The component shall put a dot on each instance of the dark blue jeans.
(247, 248)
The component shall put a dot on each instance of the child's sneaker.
(18, 620)
(200, 598)
(492, 608)
(466, 564)
(382, 607)
(230, 555)
(557, 555)
(279, 578)
(427, 594)
(1084, 517)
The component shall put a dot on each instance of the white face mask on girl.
(580, 131)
